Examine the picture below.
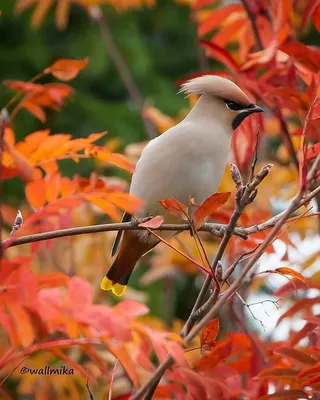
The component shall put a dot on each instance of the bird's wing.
(125, 218)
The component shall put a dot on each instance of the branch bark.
(217, 230)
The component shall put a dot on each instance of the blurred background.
(137, 58)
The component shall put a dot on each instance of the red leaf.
(291, 272)
(308, 13)
(309, 371)
(298, 306)
(313, 151)
(175, 207)
(296, 355)
(66, 69)
(208, 207)
(51, 280)
(302, 333)
(79, 294)
(209, 333)
(193, 382)
(316, 18)
(176, 351)
(153, 223)
(288, 288)
(218, 53)
(130, 309)
(306, 55)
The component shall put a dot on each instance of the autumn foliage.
(52, 311)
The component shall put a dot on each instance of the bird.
(187, 161)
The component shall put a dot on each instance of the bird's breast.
(180, 167)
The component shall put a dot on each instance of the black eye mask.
(244, 111)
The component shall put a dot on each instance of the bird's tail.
(132, 248)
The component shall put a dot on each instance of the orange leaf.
(23, 87)
(23, 166)
(286, 394)
(105, 206)
(22, 323)
(295, 355)
(175, 207)
(209, 333)
(291, 272)
(217, 355)
(66, 69)
(122, 354)
(52, 187)
(36, 194)
(8, 326)
(51, 280)
(277, 372)
(35, 110)
(216, 17)
(153, 223)
(208, 207)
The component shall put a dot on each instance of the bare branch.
(215, 229)
(89, 391)
(99, 18)
(253, 19)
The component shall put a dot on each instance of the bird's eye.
(231, 105)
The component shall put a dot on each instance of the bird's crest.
(216, 86)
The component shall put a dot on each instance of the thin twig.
(215, 229)
(222, 299)
(13, 371)
(253, 19)
(88, 389)
(4, 120)
(99, 18)
(112, 379)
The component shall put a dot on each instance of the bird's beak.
(244, 113)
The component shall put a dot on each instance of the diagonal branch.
(99, 18)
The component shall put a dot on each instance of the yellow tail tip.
(106, 284)
(117, 288)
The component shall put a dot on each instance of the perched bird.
(187, 161)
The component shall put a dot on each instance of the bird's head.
(229, 101)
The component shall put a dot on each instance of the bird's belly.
(198, 182)
(170, 169)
